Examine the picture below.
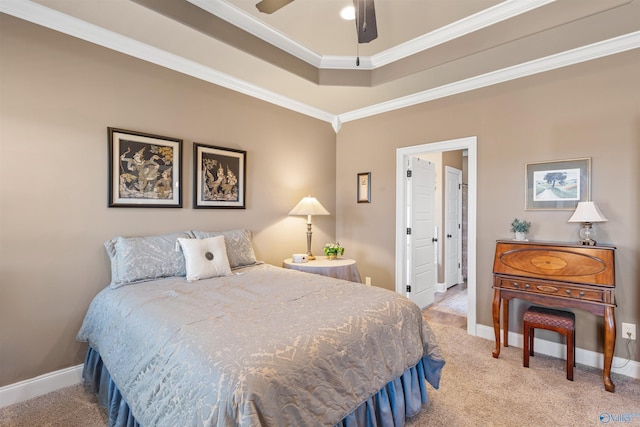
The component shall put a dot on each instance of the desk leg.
(505, 322)
(496, 320)
(609, 346)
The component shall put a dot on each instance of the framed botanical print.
(219, 177)
(144, 170)
(558, 184)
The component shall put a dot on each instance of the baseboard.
(441, 287)
(594, 359)
(43, 384)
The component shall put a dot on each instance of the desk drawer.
(557, 289)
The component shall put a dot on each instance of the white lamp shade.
(587, 212)
(309, 206)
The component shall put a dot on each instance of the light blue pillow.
(238, 242)
(138, 259)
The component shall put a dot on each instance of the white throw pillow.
(238, 242)
(205, 258)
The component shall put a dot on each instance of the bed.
(249, 344)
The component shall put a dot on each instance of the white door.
(453, 226)
(421, 268)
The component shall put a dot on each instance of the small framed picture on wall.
(557, 184)
(219, 177)
(364, 187)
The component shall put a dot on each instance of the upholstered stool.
(562, 322)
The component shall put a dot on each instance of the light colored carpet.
(456, 304)
(68, 407)
(476, 390)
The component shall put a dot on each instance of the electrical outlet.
(628, 331)
(367, 281)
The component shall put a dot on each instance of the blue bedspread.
(264, 347)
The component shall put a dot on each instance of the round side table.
(341, 268)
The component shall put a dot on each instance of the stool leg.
(525, 347)
(570, 355)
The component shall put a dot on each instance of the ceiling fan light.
(348, 13)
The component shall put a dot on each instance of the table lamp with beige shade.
(309, 206)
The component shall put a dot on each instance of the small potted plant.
(333, 250)
(520, 228)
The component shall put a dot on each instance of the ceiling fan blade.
(270, 6)
(366, 20)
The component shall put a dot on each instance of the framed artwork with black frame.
(364, 187)
(219, 177)
(558, 184)
(144, 170)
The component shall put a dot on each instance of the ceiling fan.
(365, 16)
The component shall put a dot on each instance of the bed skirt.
(400, 398)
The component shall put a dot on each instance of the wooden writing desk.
(556, 275)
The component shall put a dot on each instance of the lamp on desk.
(309, 206)
(587, 213)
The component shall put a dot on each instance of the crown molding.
(241, 19)
(563, 59)
(336, 62)
(485, 18)
(46, 17)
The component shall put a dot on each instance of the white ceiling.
(303, 57)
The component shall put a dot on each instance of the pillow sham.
(238, 243)
(138, 259)
(205, 258)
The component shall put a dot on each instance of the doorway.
(402, 255)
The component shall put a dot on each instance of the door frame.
(469, 144)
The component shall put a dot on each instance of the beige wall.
(586, 110)
(58, 95)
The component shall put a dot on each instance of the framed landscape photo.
(144, 170)
(557, 184)
(364, 187)
(219, 177)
